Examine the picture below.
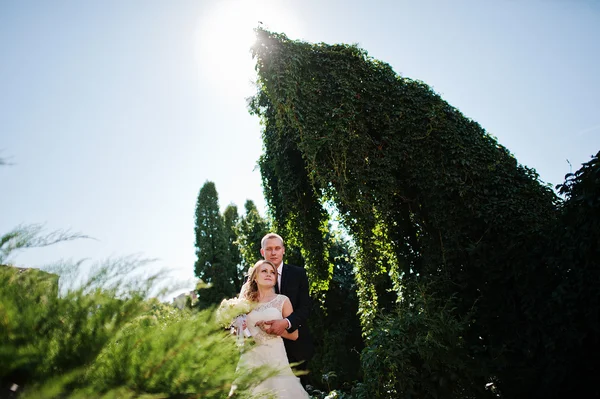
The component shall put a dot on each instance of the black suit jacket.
(294, 285)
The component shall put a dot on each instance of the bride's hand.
(261, 324)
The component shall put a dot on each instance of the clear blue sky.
(115, 113)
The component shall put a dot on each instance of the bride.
(269, 350)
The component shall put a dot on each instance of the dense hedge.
(431, 200)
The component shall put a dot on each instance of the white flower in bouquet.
(229, 309)
(232, 313)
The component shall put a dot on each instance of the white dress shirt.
(279, 271)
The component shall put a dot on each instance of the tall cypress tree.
(234, 259)
(251, 229)
(211, 248)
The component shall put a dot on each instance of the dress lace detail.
(273, 307)
(276, 303)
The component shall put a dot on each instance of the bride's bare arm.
(285, 312)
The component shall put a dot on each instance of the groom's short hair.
(268, 237)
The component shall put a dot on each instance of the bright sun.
(225, 36)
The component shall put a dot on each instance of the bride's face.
(266, 275)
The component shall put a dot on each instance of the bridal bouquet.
(232, 313)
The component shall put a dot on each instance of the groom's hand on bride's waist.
(276, 327)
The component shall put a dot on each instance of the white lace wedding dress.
(270, 352)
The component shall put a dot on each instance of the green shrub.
(419, 351)
(107, 340)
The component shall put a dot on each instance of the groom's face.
(273, 251)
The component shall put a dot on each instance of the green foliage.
(419, 351)
(68, 329)
(335, 326)
(574, 315)
(213, 265)
(106, 340)
(31, 236)
(231, 220)
(168, 350)
(430, 199)
(251, 228)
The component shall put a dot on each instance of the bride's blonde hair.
(250, 289)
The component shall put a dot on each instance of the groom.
(293, 283)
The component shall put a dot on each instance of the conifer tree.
(211, 248)
(231, 219)
(251, 229)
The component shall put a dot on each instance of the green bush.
(107, 340)
(419, 351)
(335, 327)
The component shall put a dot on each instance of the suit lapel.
(283, 278)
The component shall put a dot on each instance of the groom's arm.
(300, 314)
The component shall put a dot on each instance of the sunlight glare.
(224, 38)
